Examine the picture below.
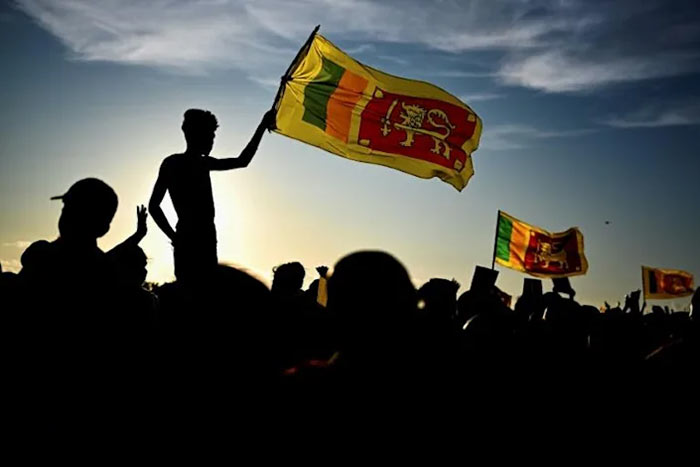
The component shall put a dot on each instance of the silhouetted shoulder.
(171, 161)
(36, 253)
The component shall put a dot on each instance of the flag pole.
(292, 67)
(644, 292)
(495, 241)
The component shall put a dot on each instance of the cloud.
(396, 60)
(188, 36)
(548, 45)
(360, 49)
(658, 116)
(481, 96)
(465, 74)
(532, 132)
(266, 82)
(10, 265)
(513, 136)
(557, 71)
(21, 244)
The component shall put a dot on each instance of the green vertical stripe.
(319, 90)
(653, 288)
(505, 229)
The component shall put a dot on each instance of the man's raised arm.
(154, 204)
(141, 230)
(247, 154)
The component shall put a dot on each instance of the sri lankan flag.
(331, 101)
(529, 249)
(666, 283)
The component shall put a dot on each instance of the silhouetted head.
(130, 262)
(372, 294)
(289, 278)
(481, 297)
(199, 127)
(88, 208)
(474, 302)
(440, 297)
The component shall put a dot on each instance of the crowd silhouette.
(93, 349)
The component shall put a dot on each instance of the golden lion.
(412, 119)
(545, 256)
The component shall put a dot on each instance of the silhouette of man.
(186, 177)
(88, 208)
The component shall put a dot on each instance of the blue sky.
(591, 112)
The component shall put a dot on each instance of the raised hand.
(322, 271)
(141, 217)
(269, 120)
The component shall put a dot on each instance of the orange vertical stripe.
(519, 241)
(341, 104)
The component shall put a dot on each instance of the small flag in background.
(331, 101)
(529, 249)
(666, 283)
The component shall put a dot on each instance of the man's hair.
(288, 276)
(198, 120)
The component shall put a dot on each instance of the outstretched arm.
(247, 154)
(154, 205)
(141, 228)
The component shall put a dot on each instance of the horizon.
(587, 119)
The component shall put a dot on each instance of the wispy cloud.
(187, 36)
(659, 115)
(360, 49)
(510, 137)
(464, 74)
(532, 132)
(548, 45)
(481, 96)
(393, 59)
(557, 71)
(266, 81)
(18, 244)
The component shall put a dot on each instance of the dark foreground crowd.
(91, 349)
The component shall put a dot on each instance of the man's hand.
(269, 120)
(141, 217)
(322, 271)
(267, 123)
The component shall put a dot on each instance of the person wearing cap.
(78, 328)
(88, 208)
(71, 278)
(186, 177)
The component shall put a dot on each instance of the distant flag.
(535, 251)
(666, 283)
(329, 100)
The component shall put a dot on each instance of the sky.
(590, 109)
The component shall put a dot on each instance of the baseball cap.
(91, 193)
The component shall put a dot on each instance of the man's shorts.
(195, 251)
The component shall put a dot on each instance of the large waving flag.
(529, 249)
(331, 101)
(666, 283)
